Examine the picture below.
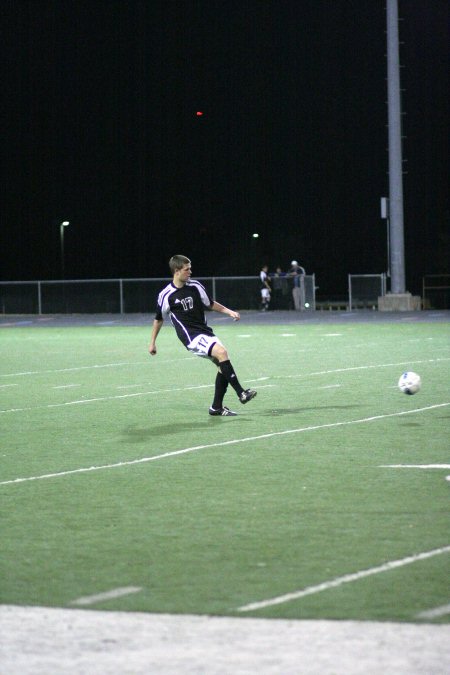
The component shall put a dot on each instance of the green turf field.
(128, 483)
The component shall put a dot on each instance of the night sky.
(100, 128)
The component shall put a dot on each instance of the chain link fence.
(126, 296)
(365, 289)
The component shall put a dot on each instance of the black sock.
(219, 393)
(227, 371)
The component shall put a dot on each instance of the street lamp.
(64, 224)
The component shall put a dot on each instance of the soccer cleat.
(247, 395)
(224, 412)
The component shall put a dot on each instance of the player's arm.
(217, 307)
(157, 325)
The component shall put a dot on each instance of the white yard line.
(414, 466)
(117, 396)
(95, 366)
(95, 400)
(140, 363)
(434, 613)
(147, 393)
(201, 386)
(235, 441)
(346, 579)
(107, 595)
(70, 370)
(379, 365)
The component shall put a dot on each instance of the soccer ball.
(409, 383)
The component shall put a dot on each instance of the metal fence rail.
(365, 289)
(126, 296)
(436, 291)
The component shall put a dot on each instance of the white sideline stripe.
(434, 613)
(346, 579)
(379, 365)
(107, 595)
(3, 386)
(235, 441)
(69, 370)
(414, 466)
(104, 398)
(200, 386)
(139, 363)
(66, 386)
(93, 367)
(118, 396)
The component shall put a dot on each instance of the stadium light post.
(397, 246)
(64, 224)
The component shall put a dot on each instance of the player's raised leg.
(220, 355)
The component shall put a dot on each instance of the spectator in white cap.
(296, 272)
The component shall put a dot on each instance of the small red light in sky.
(199, 113)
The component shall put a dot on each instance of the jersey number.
(187, 303)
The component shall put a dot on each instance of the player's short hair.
(177, 262)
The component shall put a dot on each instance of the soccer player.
(184, 301)
(265, 288)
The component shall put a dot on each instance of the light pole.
(64, 224)
(396, 224)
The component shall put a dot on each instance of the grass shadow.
(143, 434)
(278, 412)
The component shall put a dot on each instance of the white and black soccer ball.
(409, 383)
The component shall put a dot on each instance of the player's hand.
(235, 316)
(152, 350)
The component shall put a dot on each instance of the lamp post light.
(64, 224)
